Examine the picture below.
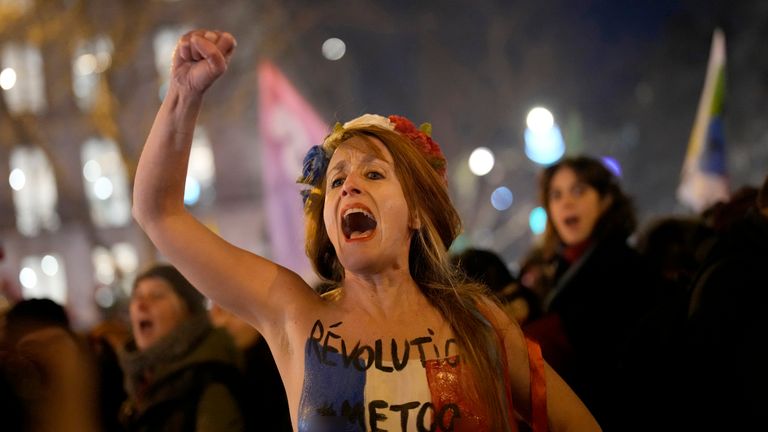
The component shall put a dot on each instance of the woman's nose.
(140, 303)
(350, 186)
(567, 199)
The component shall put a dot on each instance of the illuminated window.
(114, 270)
(44, 277)
(164, 44)
(34, 191)
(105, 181)
(22, 78)
(92, 57)
(200, 175)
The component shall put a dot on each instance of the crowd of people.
(606, 326)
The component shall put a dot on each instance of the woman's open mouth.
(358, 223)
(145, 326)
(571, 221)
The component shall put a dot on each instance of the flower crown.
(317, 158)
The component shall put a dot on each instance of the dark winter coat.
(596, 303)
(188, 381)
(726, 376)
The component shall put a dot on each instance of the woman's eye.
(578, 189)
(337, 182)
(373, 175)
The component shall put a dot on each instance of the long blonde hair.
(430, 266)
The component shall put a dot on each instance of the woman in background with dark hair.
(181, 374)
(598, 290)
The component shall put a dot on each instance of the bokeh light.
(481, 161)
(103, 188)
(539, 119)
(86, 64)
(104, 296)
(612, 164)
(7, 78)
(502, 198)
(28, 277)
(538, 220)
(92, 170)
(191, 191)
(334, 49)
(17, 179)
(50, 265)
(544, 147)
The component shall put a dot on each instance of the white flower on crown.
(370, 120)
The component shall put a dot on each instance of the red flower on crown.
(423, 141)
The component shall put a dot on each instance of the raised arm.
(255, 288)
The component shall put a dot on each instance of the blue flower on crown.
(313, 171)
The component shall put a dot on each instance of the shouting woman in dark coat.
(180, 371)
(598, 291)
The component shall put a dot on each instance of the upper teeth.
(358, 210)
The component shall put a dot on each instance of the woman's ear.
(415, 222)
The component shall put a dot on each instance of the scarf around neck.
(169, 349)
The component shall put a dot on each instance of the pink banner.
(289, 127)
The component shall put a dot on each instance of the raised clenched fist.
(201, 56)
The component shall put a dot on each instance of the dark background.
(622, 78)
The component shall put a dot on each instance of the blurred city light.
(50, 265)
(538, 220)
(539, 119)
(334, 49)
(103, 188)
(191, 191)
(17, 179)
(28, 277)
(502, 198)
(543, 140)
(481, 161)
(612, 164)
(7, 78)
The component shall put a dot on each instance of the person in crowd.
(29, 315)
(488, 268)
(106, 341)
(720, 215)
(181, 374)
(400, 344)
(535, 273)
(263, 393)
(728, 320)
(674, 248)
(47, 376)
(12, 408)
(600, 290)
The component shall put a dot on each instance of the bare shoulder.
(503, 323)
